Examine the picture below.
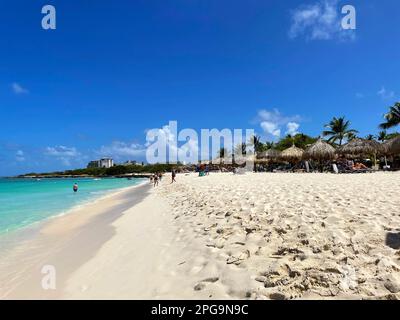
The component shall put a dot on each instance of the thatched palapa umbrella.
(270, 154)
(320, 151)
(360, 147)
(222, 160)
(292, 154)
(392, 146)
(242, 159)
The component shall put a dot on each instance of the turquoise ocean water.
(26, 201)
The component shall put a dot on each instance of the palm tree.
(255, 142)
(258, 145)
(269, 145)
(392, 117)
(351, 136)
(240, 149)
(339, 129)
(223, 152)
(382, 136)
(370, 137)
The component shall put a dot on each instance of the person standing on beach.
(173, 175)
(75, 187)
(155, 179)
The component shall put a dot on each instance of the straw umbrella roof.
(360, 146)
(241, 159)
(269, 154)
(250, 158)
(292, 153)
(392, 146)
(320, 150)
(217, 160)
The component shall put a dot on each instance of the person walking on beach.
(75, 187)
(173, 175)
(155, 179)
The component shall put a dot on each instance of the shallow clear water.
(25, 201)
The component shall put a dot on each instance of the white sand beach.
(223, 236)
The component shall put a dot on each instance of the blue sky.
(112, 70)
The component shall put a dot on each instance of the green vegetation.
(258, 145)
(113, 171)
(241, 148)
(338, 129)
(300, 140)
(392, 117)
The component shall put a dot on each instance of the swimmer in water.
(75, 187)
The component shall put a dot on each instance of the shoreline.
(48, 238)
(60, 176)
(37, 224)
(119, 248)
(223, 236)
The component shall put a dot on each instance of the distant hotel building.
(129, 163)
(132, 163)
(102, 163)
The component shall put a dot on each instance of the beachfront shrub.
(300, 140)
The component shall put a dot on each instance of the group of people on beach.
(157, 177)
(350, 164)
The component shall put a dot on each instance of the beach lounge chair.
(349, 169)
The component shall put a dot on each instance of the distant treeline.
(113, 171)
(337, 132)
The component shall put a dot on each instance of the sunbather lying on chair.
(359, 166)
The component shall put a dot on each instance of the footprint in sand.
(196, 269)
(237, 259)
(203, 283)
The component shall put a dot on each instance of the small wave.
(97, 192)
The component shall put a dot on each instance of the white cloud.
(271, 128)
(385, 94)
(276, 117)
(119, 149)
(319, 21)
(182, 150)
(65, 161)
(63, 153)
(360, 95)
(18, 89)
(272, 121)
(20, 156)
(292, 128)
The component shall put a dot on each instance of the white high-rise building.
(102, 163)
(106, 163)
